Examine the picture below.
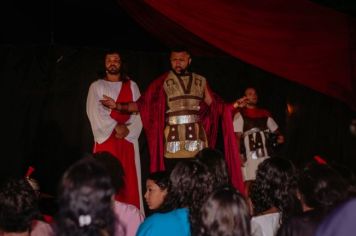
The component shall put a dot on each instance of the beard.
(180, 71)
(112, 70)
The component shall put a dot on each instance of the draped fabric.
(297, 40)
(124, 151)
(232, 152)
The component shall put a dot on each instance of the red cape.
(152, 107)
(232, 152)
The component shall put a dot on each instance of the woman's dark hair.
(113, 167)
(191, 184)
(215, 161)
(225, 213)
(321, 187)
(85, 200)
(161, 179)
(276, 186)
(18, 206)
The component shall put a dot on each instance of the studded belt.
(183, 119)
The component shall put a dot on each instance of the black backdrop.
(44, 121)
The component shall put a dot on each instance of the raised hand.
(241, 102)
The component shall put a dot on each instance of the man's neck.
(113, 78)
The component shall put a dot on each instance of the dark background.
(51, 51)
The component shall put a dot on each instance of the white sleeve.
(99, 116)
(271, 124)
(238, 123)
(135, 123)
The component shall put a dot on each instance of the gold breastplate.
(184, 93)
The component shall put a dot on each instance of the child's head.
(157, 185)
(225, 212)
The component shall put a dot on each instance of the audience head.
(114, 168)
(191, 184)
(275, 186)
(225, 213)
(157, 185)
(216, 164)
(18, 206)
(85, 200)
(321, 187)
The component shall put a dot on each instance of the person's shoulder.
(175, 222)
(97, 82)
(127, 209)
(158, 216)
(41, 228)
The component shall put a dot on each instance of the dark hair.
(114, 168)
(18, 206)
(321, 187)
(85, 192)
(250, 87)
(225, 213)
(123, 70)
(161, 179)
(191, 184)
(180, 48)
(276, 186)
(215, 161)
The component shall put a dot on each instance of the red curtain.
(296, 39)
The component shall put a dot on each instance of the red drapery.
(296, 39)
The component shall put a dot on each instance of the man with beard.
(178, 123)
(254, 128)
(117, 132)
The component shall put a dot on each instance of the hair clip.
(84, 220)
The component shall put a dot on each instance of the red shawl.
(232, 153)
(152, 107)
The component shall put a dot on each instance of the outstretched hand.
(108, 102)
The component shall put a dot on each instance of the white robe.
(103, 125)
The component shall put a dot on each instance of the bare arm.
(207, 97)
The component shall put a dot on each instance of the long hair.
(215, 161)
(18, 206)
(225, 213)
(276, 186)
(85, 200)
(191, 185)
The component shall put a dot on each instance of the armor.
(184, 133)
